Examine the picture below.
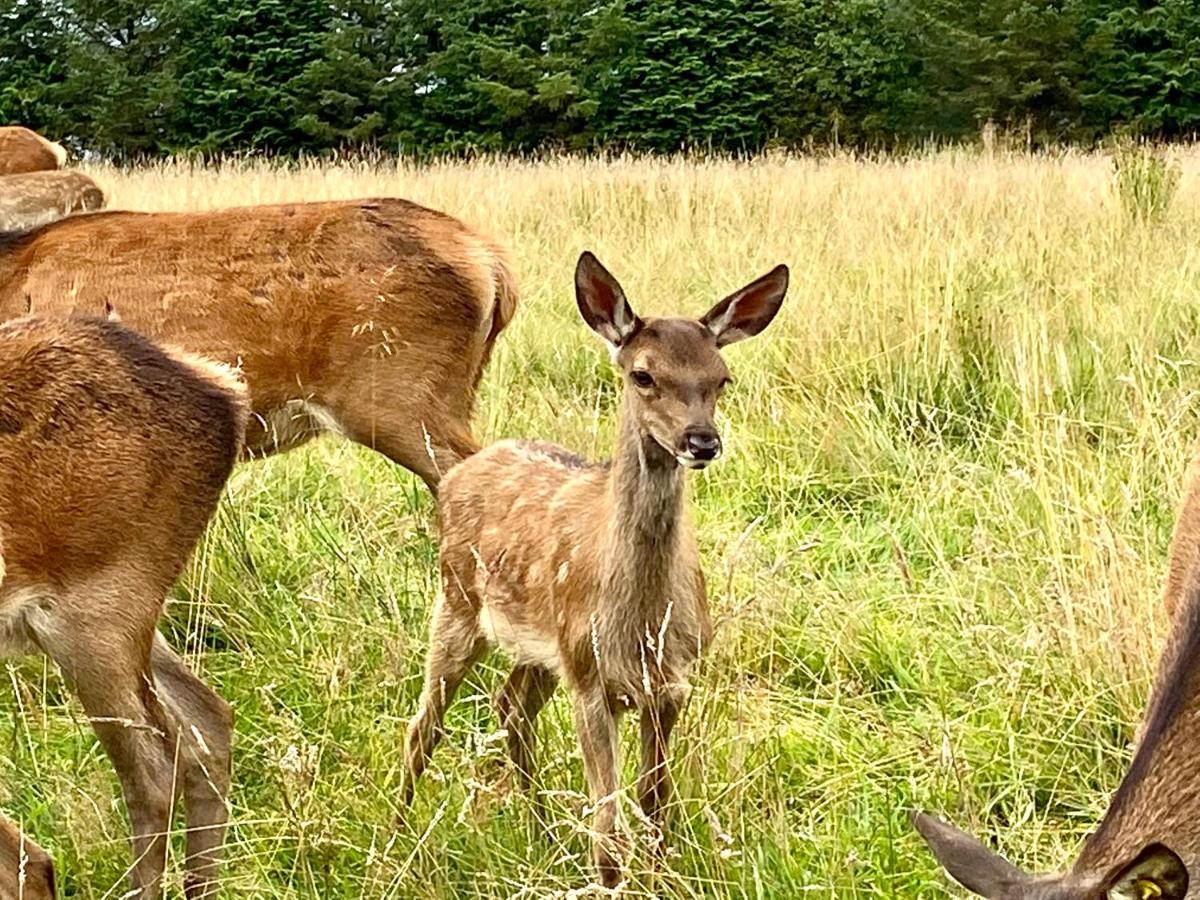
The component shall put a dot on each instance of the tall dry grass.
(935, 545)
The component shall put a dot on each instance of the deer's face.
(674, 375)
(673, 370)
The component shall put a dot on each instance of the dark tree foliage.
(1015, 62)
(499, 75)
(31, 63)
(690, 73)
(1143, 70)
(146, 77)
(845, 72)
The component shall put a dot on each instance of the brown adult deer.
(26, 871)
(38, 198)
(372, 318)
(589, 573)
(113, 455)
(23, 150)
(1149, 839)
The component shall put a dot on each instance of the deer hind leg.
(417, 429)
(134, 731)
(455, 645)
(106, 658)
(204, 728)
(518, 703)
(428, 446)
(99, 632)
(597, 727)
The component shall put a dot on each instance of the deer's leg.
(111, 673)
(133, 728)
(100, 633)
(658, 718)
(454, 646)
(518, 703)
(26, 870)
(597, 727)
(419, 434)
(204, 728)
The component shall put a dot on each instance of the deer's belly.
(526, 644)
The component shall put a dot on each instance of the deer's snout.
(701, 444)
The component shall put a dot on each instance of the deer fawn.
(113, 454)
(1150, 836)
(589, 573)
(26, 872)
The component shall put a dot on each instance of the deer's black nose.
(702, 443)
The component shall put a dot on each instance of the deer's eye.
(642, 378)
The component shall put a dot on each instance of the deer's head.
(673, 370)
(1154, 873)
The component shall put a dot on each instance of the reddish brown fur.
(374, 318)
(38, 198)
(589, 573)
(112, 457)
(22, 150)
(26, 870)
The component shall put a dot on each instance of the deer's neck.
(1152, 802)
(647, 502)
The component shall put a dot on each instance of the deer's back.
(108, 445)
(523, 502)
(290, 292)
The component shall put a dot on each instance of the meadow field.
(934, 547)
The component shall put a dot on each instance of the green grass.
(934, 547)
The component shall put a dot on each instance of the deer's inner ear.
(602, 302)
(1157, 873)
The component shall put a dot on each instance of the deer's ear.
(746, 312)
(1157, 872)
(970, 863)
(602, 303)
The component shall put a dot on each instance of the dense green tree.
(238, 69)
(31, 65)
(689, 73)
(844, 72)
(431, 76)
(495, 75)
(1017, 63)
(116, 89)
(1143, 72)
(343, 94)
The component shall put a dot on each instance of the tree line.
(129, 78)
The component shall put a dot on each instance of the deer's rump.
(23, 150)
(149, 438)
(374, 317)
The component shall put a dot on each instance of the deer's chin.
(690, 462)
